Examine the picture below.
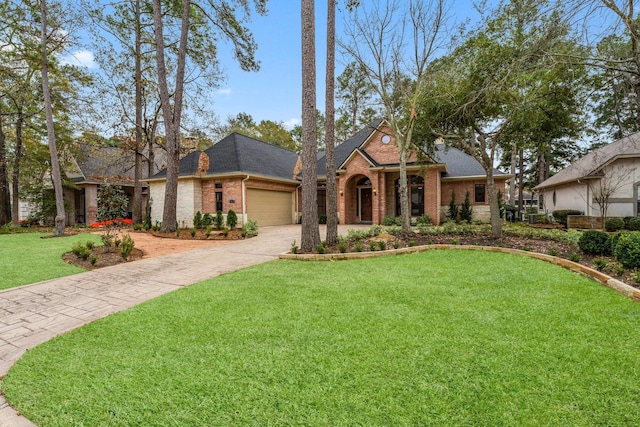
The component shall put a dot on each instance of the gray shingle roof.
(459, 164)
(591, 163)
(241, 154)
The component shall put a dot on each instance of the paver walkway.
(33, 314)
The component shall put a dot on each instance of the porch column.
(91, 203)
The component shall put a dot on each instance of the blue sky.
(274, 93)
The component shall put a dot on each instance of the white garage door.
(269, 207)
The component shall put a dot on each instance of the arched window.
(363, 182)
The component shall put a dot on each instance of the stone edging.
(598, 276)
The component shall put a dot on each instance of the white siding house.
(607, 178)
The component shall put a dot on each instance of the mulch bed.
(185, 234)
(104, 258)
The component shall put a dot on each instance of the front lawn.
(29, 258)
(435, 338)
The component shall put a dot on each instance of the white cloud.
(291, 123)
(80, 58)
(226, 91)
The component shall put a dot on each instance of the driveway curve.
(33, 314)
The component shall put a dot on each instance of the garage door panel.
(269, 207)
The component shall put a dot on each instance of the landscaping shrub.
(294, 247)
(615, 237)
(232, 220)
(80, 250)
(394, 230)
(193, 232)
(466, 210)
(634, 223)
(454, 210)
(320, 248)
(423, 220)
(250, 229)
(197, 220)
(126, 246)
(389, 221)
(614, 224)
(595, 242)
(218, 220)
(207, 220)
(322, 219)
(561, 215)
(627, 250)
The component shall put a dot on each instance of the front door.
(366, 204)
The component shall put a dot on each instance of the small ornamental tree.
(232, 220)
(454, 210)
(112, 205)
(466, 210)
(112, 202)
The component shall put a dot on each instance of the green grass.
(28, 258)
(437, 338)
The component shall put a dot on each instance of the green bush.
(80, 250)
(454, 210)
(218, 220)
(250, 229)
(232, 220)
(614, 224)
(627, 250)
(595, 242)
(561, 215)
(320, 248)
(634, 223)
(207, 220)
(126, 246)
(197, 220)
(322, 219)
(615, 237)
(423, 220)
(389, 221)
(466, 210)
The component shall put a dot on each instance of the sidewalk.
(33, 314)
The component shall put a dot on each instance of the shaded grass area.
(441, 338)
(28, 258)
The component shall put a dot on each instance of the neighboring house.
(95, 165)
(261, 182)
(253, 178)
(609, 175)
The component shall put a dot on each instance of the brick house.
(369, 173)
(251, 177)
(261, 182)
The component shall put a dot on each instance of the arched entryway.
(359, 200)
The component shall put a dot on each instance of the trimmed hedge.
(627, 250)
(634, 223)
(595, 242)
(614, 224)
(561, 215)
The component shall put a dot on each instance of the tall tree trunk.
(405, 213)
(171, 114)
(494, 208)
(55, 165)
(310, 229)
(137, 188)
(16, 167)
(5, 209)
(512, 182)
(329, 129)
(521, 181)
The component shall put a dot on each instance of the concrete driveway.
(33, 314)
